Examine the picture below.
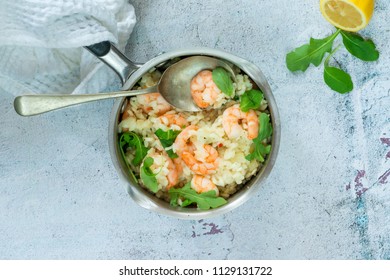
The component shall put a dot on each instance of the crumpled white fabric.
(41, 44)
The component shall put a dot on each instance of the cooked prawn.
(206, 164)
(161, 159)
(203, 89)
(153, 103)
(173, 118)
(233, 121)
(182, 142)
(203, 184)
(178, 162)
(199, 166)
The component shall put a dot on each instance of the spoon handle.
(29, 105)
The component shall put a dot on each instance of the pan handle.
(114, 58)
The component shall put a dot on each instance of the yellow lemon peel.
(349, 15)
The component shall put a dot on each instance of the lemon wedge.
(349, 15)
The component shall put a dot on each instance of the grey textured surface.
(328, 196)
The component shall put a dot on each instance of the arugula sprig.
(335, 78)
(359, 47)
(251, 99)
(167, 138)
(147, 175)
(260, 149)
(132, 140)
(313, 53)
(204, 201)
(223, 81)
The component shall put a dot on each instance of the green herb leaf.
(223, 81)
(337, 79)
(167, 138)
(301, 57)
(260, 150)
(132, 140)
(359, 47)
(175, 197)
(298, 59)
(123, 147)
(251, 99)
(204, 201)
(171, 153)
(147, 175)
(265, 129)
(186, 203)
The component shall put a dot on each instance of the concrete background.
(328, 196)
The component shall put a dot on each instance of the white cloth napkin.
(41, 44)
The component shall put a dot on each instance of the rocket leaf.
(167, 138)
(359, 47)
(314, 52)
(260, 150)
(251, 99)
(337, 79)
(204, 200)
(223, 81)
(147, 175)
(132, 140)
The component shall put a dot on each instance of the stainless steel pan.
(130, 73)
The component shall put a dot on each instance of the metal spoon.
(174, 86)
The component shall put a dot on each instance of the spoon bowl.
(174, 87)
